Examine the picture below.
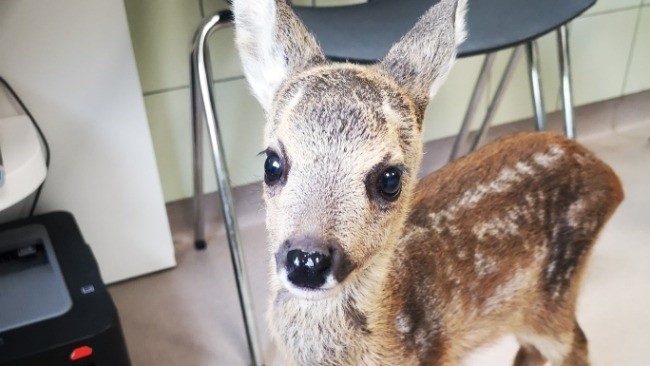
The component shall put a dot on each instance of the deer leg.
(579, 354)
(528, 355)
(560, 346)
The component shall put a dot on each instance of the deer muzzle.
(312, 263)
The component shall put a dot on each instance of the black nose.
(308, 269)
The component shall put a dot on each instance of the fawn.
(371, 266)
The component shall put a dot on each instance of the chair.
(204, 111)
(364, 33)
(493, 25)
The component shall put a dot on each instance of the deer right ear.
(422, 59)
(273, 44)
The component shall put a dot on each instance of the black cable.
(40, 133)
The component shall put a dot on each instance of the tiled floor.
(190, 315)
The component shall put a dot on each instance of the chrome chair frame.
(203, 112)
(535, 88)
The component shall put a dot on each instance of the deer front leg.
(562, 348)
(528, 355)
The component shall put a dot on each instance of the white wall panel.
(72, 63)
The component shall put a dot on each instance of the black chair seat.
(364, 33)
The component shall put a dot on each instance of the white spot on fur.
(548, 159)
(540, 253)
(496, 228)
(437, 219)
(421, 340)
(392, 117)
(504, 181)
(508, 175)
(295, 100)
(580, 159)
(411, 232)
(403, 323)
(524, 168)
(569, 273)
(575, 212)
(550, 269)
(591, 225)
(505, 292)
(529, 200)
(482, 229)
(484, 266)
(500, 227)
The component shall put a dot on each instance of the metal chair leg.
(197, 161)
(479, 88)
(204, 103)
(496, 100)
(532, 55)
(565, 69)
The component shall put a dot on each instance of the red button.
(81, 352)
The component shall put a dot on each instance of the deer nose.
(308, 268)
(311, 262)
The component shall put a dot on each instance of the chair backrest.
(365, 32)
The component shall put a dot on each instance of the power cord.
(41, 135)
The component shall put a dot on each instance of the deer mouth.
(327, 289)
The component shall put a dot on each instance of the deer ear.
(422, 59)
(272, 44)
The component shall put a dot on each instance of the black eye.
(272, 168)
(390, 183)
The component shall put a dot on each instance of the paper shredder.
(54, 307)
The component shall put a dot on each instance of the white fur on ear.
(460, 31)
(263, 64)
(460, 22)
(272, 44)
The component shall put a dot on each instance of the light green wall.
(610, 54)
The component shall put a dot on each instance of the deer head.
(342, 141)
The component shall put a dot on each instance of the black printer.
(54, 307)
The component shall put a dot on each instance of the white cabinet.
(72, 63)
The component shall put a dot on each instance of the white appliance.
(76, 73)
(22, 166)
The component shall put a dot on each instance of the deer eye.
(273, 168)
(389, 183)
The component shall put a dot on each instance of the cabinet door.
(72, 63)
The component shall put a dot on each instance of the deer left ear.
(422, 59)
(273, 45)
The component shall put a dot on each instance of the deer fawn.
(372, 267)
